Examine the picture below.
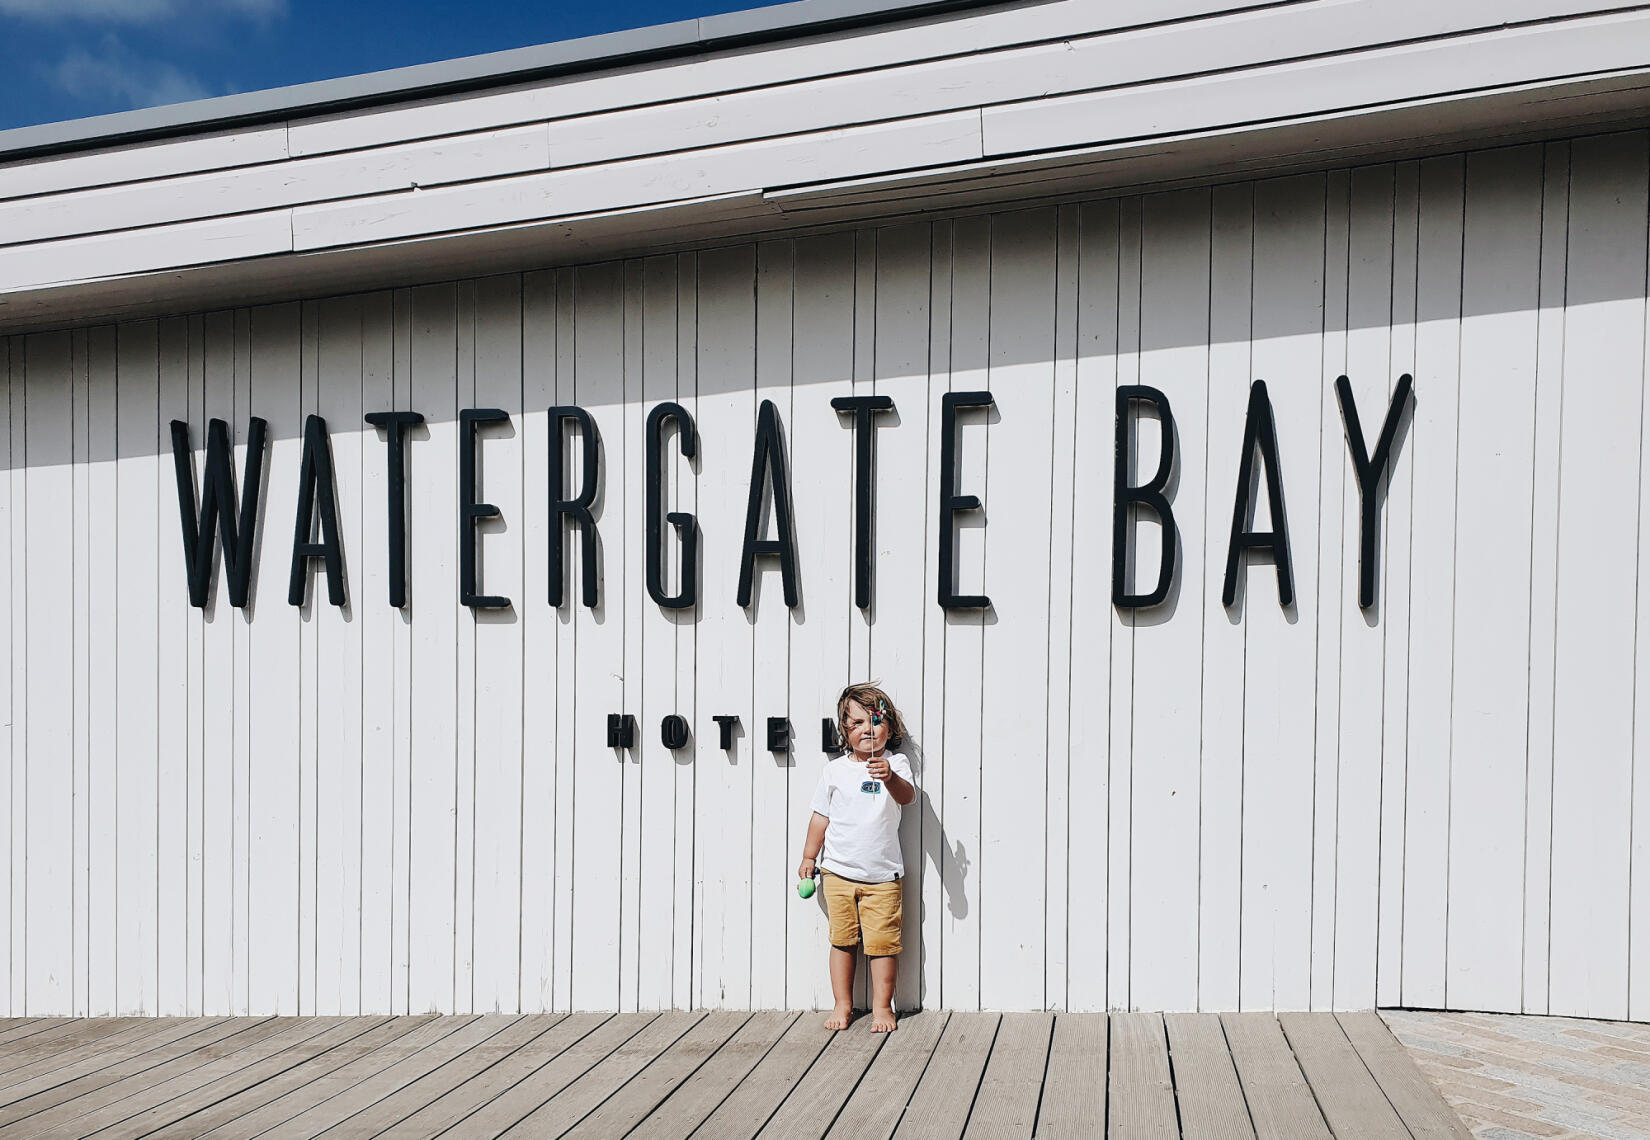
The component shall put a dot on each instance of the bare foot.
(882, 1021)
(840, 1017)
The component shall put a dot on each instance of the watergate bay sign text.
(221, 516)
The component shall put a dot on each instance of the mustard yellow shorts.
(871, 911)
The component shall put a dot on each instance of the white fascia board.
(1591, 103)
(471, 73)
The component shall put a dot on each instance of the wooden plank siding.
(365, 811)
(937, 93)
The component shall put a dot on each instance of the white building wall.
(330, 811)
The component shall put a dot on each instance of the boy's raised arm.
(902, 789)
(895, 774)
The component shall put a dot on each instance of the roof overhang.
(1410, 99)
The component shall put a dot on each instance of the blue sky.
(66, 59)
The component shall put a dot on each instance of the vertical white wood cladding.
(661, 866)
(1501, 270)
(1598, 576)
(1288, 330)
(174, 624)
(540, 820)
(1395, 586)
(341, 810)
(1221, 790)
(1166, 753)
(726, 418)
(1011, 874)
(822, 369)
(771, 858)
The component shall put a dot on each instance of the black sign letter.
(768, 465)
(621, 730)
(469, 510)
(865, 458)
(1149, 496)
(686, 528)
(951, 502)
(218, 508)
(395, 425)
(315, 479)
(1370, 470)
(578, 508)
(1258, 430)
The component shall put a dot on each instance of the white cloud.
(97, 66)
(138, 11)
(114, 74)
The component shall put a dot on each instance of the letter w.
(217, 511)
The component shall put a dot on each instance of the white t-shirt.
(862, 841)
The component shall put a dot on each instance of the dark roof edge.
(494, 69)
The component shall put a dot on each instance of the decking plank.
(524, 1095)
(727, 1074)
(939, 1108)
(1074, 1091)
(1205, 1081)
(180, 1041)
(362, 1058)
(183, 1096)
(462, 1103)
(426, 1090)
(104, 1041)
(248, 1088)
(875, 1108)
(380, 1074)
(556, 1116)
(25, 1027)
(697, 1097)
(1422, 1109)
(385, 1072)
(1280, 1102)
(1140, 1097)
(1012, 1086)
(813, 1103)
(1347, 1095)
(749, 1106)
(644, 1092)
(265, 1038)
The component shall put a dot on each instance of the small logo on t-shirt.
(871, 787)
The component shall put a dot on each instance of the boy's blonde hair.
(870, 697)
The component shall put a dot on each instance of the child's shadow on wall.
(951, 862)
(951, 859)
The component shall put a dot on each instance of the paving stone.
(1524, 1125)
(1512, 1076)
(1479, 1081)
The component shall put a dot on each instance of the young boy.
(854, 836)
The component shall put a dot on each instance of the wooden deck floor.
(717, 1075)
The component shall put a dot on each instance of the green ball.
(805, 888)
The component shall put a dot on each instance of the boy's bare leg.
(842, 987)
(884, 969)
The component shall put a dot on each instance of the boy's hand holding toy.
(805, 875)
(877, 768)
